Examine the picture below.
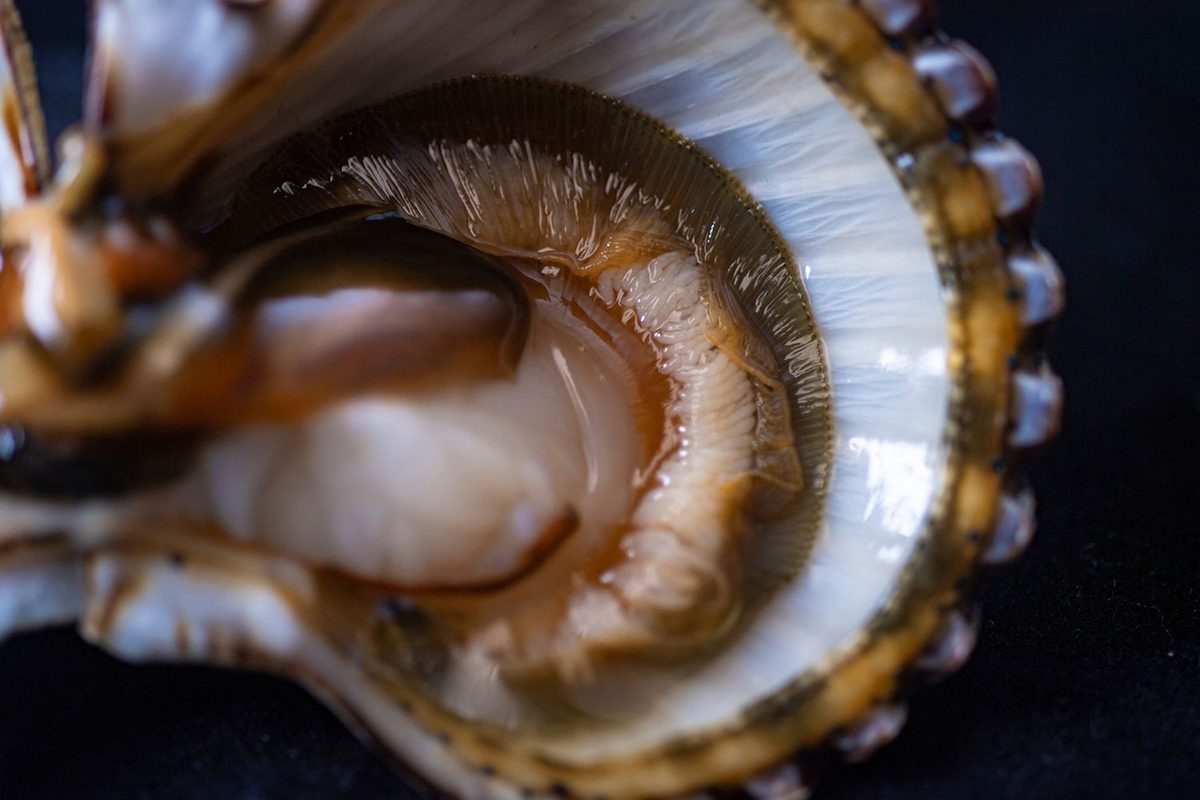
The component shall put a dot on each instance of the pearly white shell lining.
(752, 102)
(722, 75)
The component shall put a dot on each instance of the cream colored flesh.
(468, 487)
(453, 488)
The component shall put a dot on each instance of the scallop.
(584, 399)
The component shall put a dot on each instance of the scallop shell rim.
(935, 125)
(1005, 402)
(957, 83)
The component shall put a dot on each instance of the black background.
(1086, 682)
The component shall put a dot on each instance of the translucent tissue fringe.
(861, 251)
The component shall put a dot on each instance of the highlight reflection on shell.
(603, 399)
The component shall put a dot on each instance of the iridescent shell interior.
(678, 359)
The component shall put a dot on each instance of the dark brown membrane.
(423, 312)
(56, 465)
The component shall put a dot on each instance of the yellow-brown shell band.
(930, 103)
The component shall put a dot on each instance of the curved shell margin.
(929, 102)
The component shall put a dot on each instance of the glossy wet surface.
(1085, 680)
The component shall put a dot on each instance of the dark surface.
(1086, 682)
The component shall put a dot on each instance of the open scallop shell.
(863, 136)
